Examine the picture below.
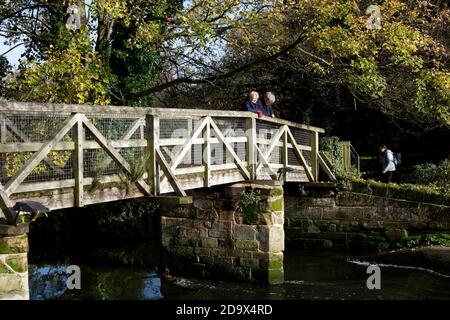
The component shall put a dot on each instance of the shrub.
(248, 206)
(332, 148)
(430, 174)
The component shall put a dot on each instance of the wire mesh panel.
(292, 158)
(116, 127)
(231, 127)
(98, 163)
(266, 130)
(31, 127)
(180, 129)
(303, 138)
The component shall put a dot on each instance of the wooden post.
(207, 155)
(77, 163)
(3, 136)
(142, 131)
(346, 155)
(152, 123)
(251, 152)
(314, 140)
(6, 207)
(284, 154)
(189, 159)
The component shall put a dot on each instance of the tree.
(146, 45)
(401, 70)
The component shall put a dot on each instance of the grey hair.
(270, 97)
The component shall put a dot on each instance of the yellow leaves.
(116, 9)
(147, 36)
(72, 75)
(317, 68)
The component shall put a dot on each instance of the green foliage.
(427, 239)
(5, 68)
(126, 220)
(412, 192)
(332, 148)
(72, 75)
(248, 206)
(137, 170)
(430, 174)
(28, 218)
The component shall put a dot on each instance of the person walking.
(388, 163)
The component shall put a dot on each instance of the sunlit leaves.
(72, 75)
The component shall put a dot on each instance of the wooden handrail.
(163, 113)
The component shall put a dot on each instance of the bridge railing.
(73, 155)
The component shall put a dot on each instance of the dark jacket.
(253, 107)
(267, 109)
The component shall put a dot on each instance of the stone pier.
(211, 237)
(14, 262)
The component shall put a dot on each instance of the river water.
(306, 277)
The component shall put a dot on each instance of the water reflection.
(306, 277)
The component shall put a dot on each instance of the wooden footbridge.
(74, 155)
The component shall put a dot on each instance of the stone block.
(249, 262)
(276, 276)
(313, 229)
(14, 230)
(226, 215)
(219, 233)
(17, 262)
(350, 199)
(14, 244)
(271, 238)
(396, 234)
(203, 204)
(209, 242)
(313, 213)
(277, 204)
(13, 287)
(186, 241)
(183, 251)
(246, 244)
(324, 202)
(272, 261)
(243, 254)
(244, 232)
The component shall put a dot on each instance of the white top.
(388, 161)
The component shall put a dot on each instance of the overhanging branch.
(189, 80)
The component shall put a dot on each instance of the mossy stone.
(18, 264)
(275, 276)
(276, 261)
(277, 205)
(3, 268)
(14, 244)
(276, 191)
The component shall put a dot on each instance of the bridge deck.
(75, 155)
